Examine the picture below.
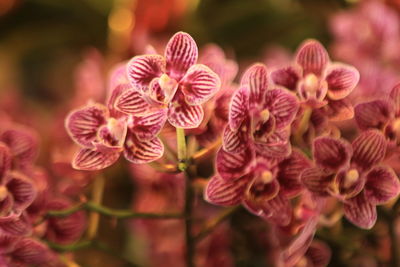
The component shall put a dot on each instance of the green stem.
(97, 196)
(119, 214)
(181, 147)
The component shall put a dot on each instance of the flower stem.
(97, 196)
(181, 148)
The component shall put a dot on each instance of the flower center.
(311, 84)
(168, 85)
(396, 128)
(264, 115)
(266, 177)
(350, 178)
(3, 192)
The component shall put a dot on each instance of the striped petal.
(234, 141)
(181, 53)
(143, 69)
(7, 243)
(148, 126)
(256, 79)
(5, 160)
(183, 115)
(15, 224)
(132, 102)
(91, 160)
(199, 84)
(29, 251)
(111, 136)
(289, 173)
(283, 105)
(316, 181)
(341, 79)
(360, 211)
(319, 254)
(140, 152)
(312, 57)
(395, 97)
(339, 110)
(331, 154)
(22, 189)
(225, 192)
(374, 114)
(286, 77)
(238, 108)
(382, 185)
(369, 149)
(234, 165)
(277, 145)
(82, 124)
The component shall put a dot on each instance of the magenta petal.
(31, 252)
(234, 165)
(132, 102)
(283, 105)
(319, 254)
(225, 192)
(234, 141)
(277, 145)
(289, 173)
(15, 224)
(278, 210)
(339, 110)
(360, 211)
(316, 181)
(341, 79)
(91, 160)
(142, 70)
(5, 160)
(111, 136)
(148, 126)
(369, 148)
(374, 114)
(286, 77)
(312, 57)
(256, 79)
(331, 154)
(181, 53)
(395, 97)
(22, 189)
(139, 152)
(199, 84)
(382, 185)
(82, 124)
(7, 243)
(183, 115)
(238, 108)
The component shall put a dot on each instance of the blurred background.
(56, 54)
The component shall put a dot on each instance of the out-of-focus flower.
(353, 174)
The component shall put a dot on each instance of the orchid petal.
(382, 185)
(183, 115)
(369, 149)
(31, 252)
(199, 84)
(360, 212)
(16, 224)
(331, 154)
(339, 110)
(234, 165)
(22, 189)
(5, 160)
(132, 102)
(283, 105)
(181, 53)
(316, 181)
(277, 145)
(256, 78)
(234, 141)
(238, 108)
(341, 79)
(395, 97)
(312, 57)
(224, 192)
(319, 254)
(286, 77)
(141, 70)
(374, 114)
(82, 124)
(148, 126)
(139, 152)
(91, 160)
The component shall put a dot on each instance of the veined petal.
(341, 79)
(369, 149)
(277, 145)
(382, 185)
(92, 160)
(286, 77)
(374, 114)
(5, 160)
(278, 210)
(111, 136)
(139, 152)
(16, 224)
(312, 57)
(22, 189)
(283, 105)
(148, 126)
(183, 115)
(7, 243)
(82, 124)
(339, 110)
(234, 165)
(319, 254)
(31, 252)
(181, 53)
(331, 154)
(289, 173)
(199, 84)
(395, 97)
(360, 211)
(141, 70)
(316, 181)
(238, 108)
(234, 141)
(256, 79)
(226, 192)
(132, 102)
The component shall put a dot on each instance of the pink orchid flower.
(353, 174)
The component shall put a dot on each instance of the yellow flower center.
(351, 177)
(311, 83)
(3, 192)
(266, 177)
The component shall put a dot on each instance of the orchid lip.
(169, 86)
(351, 177)
(3, 192)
